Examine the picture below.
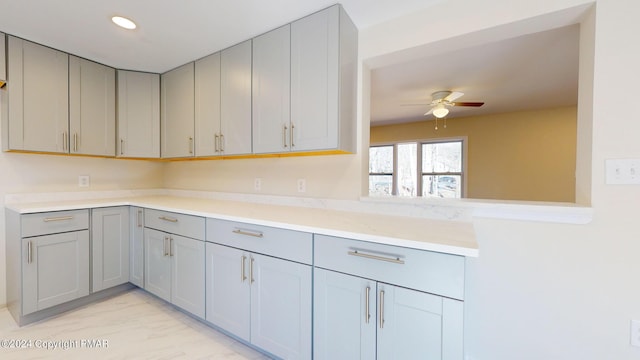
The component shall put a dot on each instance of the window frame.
(419, 173)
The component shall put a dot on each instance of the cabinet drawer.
(281, 243)
(432, 272)
(174, 223)
(54, 222)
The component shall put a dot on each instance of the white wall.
(538, 290)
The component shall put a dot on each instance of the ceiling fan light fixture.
(440, 111)
(124, 22)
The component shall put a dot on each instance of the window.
(427, 168)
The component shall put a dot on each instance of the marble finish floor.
(133, 325)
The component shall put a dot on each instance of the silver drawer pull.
(166, 218)
(59, 218)
(248, 233)
(395, 260)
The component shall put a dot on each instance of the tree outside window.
(428, 169)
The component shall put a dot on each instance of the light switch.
(622, 171)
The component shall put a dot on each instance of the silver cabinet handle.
(75, 142)
(216, 143)
(243, 276)
(170, 245)
(251, 270)
(29, 254)
(291, 136)
(64, 141)
(284, 136)
(190, 145)
(121, 146)
(164, 246)
(367, 314)
(221, 143)
(58, 218)
(395, 260)
(167, 218)
(139, 218)
(381, 309)
(248, 233)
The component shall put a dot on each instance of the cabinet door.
(271, 91)
(314, 80)
(187, 276)
(281, 307)
(228, 289)
(39, 98)
(92, 108)
(157, 268)
(344, 316)
(110, 246)
(3, 64)
(177, 112)
(55, 269)
(136, 248)
(409, 324)
(138, 114)
(207, 105)
(235, 95)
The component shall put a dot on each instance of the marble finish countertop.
(446, 236)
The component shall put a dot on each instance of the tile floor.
(133, 325)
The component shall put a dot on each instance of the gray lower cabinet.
(110, 231)
(174, 264)
(56, 269)
(47, 260)
(136, 247)
(374, 301)
(262, 299)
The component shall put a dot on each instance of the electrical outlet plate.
(257, 184)
(635, 333)
(83, 181)
(302, 185)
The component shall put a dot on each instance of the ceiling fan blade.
(428, 112)
(474, 104)
(454, 95)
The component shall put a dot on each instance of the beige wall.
(528, 155)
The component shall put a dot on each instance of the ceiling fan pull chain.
(445, 122)
(436, 123)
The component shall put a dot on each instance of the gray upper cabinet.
(323, 81)
(235, 97)
(92, 108)
(38, 98)
(177, 112)
(138, 114)
(207, 106)
(272, 126)
(3, 58)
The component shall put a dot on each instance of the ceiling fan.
(442, 99)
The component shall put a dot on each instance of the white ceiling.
(170, 32)
(528, 72)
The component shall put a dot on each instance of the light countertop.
(453, 237)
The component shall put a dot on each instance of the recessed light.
(123, 22)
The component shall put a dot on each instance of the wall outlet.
(84, 181)
(257, 184)
(302, 185)
(635, 333)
